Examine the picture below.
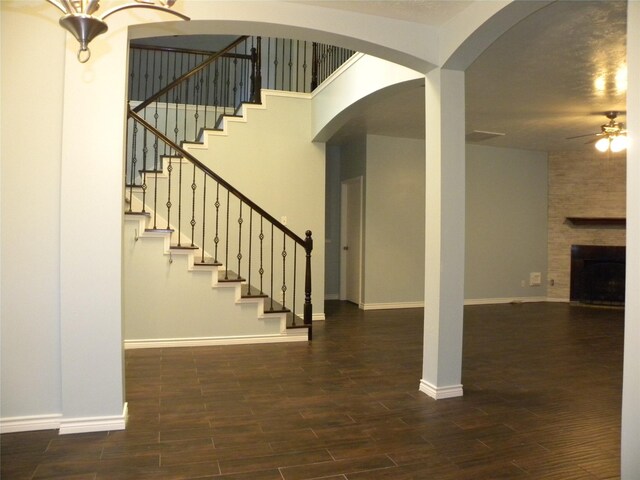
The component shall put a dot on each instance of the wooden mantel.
(597, 221)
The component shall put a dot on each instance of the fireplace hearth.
(598, 274)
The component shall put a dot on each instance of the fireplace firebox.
(598, 274)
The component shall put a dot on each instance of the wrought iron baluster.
(290, 64)
(204, 212)
(271, 267)
(169, 178)
(235, 83)
(295, 275)
(156, 159)
(268, 62)
(132, 75)
(297, 64)
(239, 256)
(185, 103)
(261, 270)
(304, 67)
(275, 66)
(197, 100)
(250, 242)
(284, 270)
(134, 158)
(180, 202)
(216, 239)
(206, 102)
(282, 72)
(193, 222)
(226, 243)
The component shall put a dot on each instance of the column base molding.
(438, 393)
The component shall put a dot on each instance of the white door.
(351, 239)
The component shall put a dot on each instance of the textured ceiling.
(428, 12)
(550, 77)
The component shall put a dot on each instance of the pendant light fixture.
(80, 21)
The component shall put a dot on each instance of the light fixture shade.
(603, 144)
(618, 143)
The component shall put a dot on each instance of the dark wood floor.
(542, 399)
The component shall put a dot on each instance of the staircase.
(183, 218)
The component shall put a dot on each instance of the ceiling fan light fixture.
(618, 143)
(602, 145)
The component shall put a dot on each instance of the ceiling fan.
(613, 135)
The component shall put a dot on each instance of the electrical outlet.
(535, 279)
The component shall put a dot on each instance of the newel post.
(314, 65)
(256, 72)
(308, 247)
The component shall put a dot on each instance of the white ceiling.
(550, 77)
(428, 12)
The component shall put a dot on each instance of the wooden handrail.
(307, 245)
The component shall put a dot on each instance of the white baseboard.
(57, 422)
(94, 424)
(318, 316)
(439, 393)
(390, 306)
(30, 423)
(211, 341)
(493, 301)
(557, 300)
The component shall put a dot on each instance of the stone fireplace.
(598, 274)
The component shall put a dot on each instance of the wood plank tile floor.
(542, 400)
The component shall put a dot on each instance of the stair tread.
(159, 230)
(208, 262)
(231, 276)
(299, 322)
(184, 247)
(146, 214)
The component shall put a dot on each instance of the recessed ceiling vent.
(481, 136)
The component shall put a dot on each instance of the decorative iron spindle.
(271, 268)
(261, 271)
(226, 243)
(216, 239)
(295, 275)
(193, 207)
(168, 204)
(284, 271)
(239, 256)
(250, 242)
(204, 213)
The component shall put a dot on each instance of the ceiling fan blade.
(591, 141)
(581, 136)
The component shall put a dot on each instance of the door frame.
(344, 185)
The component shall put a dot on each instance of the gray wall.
(506, 222)
(332, 223)
(394, 221)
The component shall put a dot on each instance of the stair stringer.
(202, 142)
(245, 322)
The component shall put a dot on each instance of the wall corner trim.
(439, 393)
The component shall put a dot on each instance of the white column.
(91, 235)
(444, 225)
(631, 378)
